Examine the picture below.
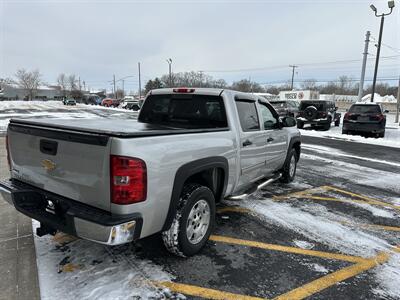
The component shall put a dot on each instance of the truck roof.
(204, 91)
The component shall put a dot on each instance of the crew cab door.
(252, 142)
(275, 138)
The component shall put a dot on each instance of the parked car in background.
(114, 181)
(285, 107)
(365, 118)
(318, 113)
(131, 103)
(109, 102)
(91, 99)
(69, 101)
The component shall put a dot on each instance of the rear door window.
(248, 115)
(365, 109)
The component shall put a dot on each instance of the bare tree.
(309, 84)
(29, 81)
(62, 82)
(245, 85)
(72, 83)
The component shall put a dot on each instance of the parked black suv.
(285, 108)
(317, 113)
(365, 118)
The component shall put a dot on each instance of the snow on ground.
(85, 270)
(392, 134)
(51, 109)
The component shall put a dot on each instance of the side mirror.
(336, 108)
(386, 111)
(288, 122)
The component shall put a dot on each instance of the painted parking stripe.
(288, 249)
(334, 278)
(371, 200)
(239, 209)
(198, 291)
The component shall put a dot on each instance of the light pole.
(382, 16)
(293, 67)
(169, 61)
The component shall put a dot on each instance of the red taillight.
(347, 116)
(378, 117)
(128, 180)
(8, 153)
(183, 90)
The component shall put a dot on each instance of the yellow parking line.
(288, 249)
(368, 199)
(193, 290)
(233, 209)
(384, 227)
(333, 278)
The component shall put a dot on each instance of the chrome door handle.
(270, 139)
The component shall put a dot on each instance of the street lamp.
(390, 5)
(169, 61)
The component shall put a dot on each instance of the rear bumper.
(364, 127)
(313, 122)
(58, 213)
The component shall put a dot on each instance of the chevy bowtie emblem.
(48, 165)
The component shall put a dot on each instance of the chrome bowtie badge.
(48, 165)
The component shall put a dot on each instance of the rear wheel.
(327, 126)
(382, 134)
(290, 167)
(345, 131)
(193, 222)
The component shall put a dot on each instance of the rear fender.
(187, 170)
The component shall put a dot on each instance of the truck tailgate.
(71, 164)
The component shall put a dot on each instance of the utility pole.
(123, 87)
(398, 103)
(140, 83)
(378, 51)
(364, 63)
(293, 67)
(169, 61)
(382, 16)
(79, 78)
(115, 91)
(84, 85)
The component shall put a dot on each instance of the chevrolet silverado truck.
(114, 181)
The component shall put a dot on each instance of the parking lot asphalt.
(331, 234)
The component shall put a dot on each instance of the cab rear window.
(184, 111)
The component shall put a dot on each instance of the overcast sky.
(96, 39)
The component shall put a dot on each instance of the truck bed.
(107, 127)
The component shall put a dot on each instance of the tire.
(289, 173)
(300, 124)
(345, 131)
(176, 238)
(382, 134)
(327, 126)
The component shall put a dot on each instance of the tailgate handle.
(48, 147)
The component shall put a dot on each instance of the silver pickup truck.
(114, 181)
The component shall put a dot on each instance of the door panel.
(252, 142)
(275, 137)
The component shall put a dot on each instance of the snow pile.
(391, 139)
(85, 270)
(52, 109)
(379, 99)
